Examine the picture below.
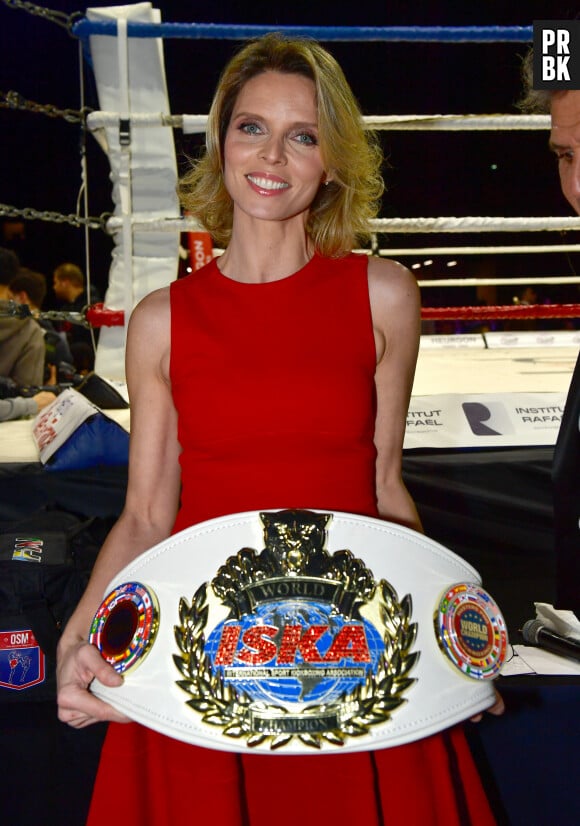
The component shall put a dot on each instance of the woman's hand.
(78, 664)
(496, 709)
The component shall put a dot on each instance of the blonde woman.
(277, 376)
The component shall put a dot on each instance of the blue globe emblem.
(299, 681)
(473, 631)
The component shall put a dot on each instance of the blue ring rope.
(216, 31)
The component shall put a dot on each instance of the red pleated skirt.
(147, 778)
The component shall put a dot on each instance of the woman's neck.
(267, 252)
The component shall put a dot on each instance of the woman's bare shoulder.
(392, 285)
(152, 314)
(385, 273)
(154, 302)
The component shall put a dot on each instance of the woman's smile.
(266, 184)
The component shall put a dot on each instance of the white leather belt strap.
(297, 632)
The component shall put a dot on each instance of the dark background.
(427, 174)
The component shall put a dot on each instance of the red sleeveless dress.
(274, 384)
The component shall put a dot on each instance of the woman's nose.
(273, 150)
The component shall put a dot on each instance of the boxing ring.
(134, 125)
(486, 405)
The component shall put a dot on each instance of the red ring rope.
(100, 316)
(508, 311)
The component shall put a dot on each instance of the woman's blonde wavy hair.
(342, 209)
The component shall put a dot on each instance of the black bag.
(100, 392)
(45, 564)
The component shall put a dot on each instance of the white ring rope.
(457, 122)
(197, 123)
(497, 282)
(471, 223)
(407, 225)
(393, 252)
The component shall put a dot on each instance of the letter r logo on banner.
(488, 419)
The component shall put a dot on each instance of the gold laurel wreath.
(368, 704)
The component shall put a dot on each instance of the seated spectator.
(70, 291)
(29, 288)
(20, 407)
(21, 340)
(69, 287)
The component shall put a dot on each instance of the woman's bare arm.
(395, 307)
(150, 506)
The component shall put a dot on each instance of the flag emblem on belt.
(471, 631)
(125, 626)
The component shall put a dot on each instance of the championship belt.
(297, 632)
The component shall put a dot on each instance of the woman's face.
(272, 163)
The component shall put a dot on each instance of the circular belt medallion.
(471, 631)
(125, 625)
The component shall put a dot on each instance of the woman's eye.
(306, 138)
(250, 128)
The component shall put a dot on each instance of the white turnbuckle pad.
(299, 631)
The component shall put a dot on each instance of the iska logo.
(294, 641)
